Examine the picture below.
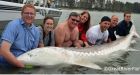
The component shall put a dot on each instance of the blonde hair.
(27, 5)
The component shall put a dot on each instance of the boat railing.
(42, 10)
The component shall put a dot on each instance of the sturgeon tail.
(136, 35)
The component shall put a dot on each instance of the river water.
(128, 63)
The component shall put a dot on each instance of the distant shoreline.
(91, 10)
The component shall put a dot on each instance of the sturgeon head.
(77, 56)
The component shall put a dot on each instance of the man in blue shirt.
(125, 25)
(20, 36)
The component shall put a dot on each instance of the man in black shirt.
(125, 25)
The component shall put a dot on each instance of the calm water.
(129, 61)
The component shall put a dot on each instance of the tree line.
(101, 5)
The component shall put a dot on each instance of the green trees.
(136, 7)
(85, 4)
(71, 3)
(109, 5)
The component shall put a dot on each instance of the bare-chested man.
(66, 33)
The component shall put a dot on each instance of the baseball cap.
(105, 18)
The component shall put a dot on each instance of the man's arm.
(76, 41)
(41, 44)
(92, 37)
(5, 52)
(77, 44)
(105, 38)
(59, 35)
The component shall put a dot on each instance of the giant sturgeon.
(77, 56)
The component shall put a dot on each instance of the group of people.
(21, 35)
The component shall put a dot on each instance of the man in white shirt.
(98, 34)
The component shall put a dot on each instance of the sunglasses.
(75, 20)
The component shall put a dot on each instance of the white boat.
(11, 10)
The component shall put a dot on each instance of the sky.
(129, 1)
